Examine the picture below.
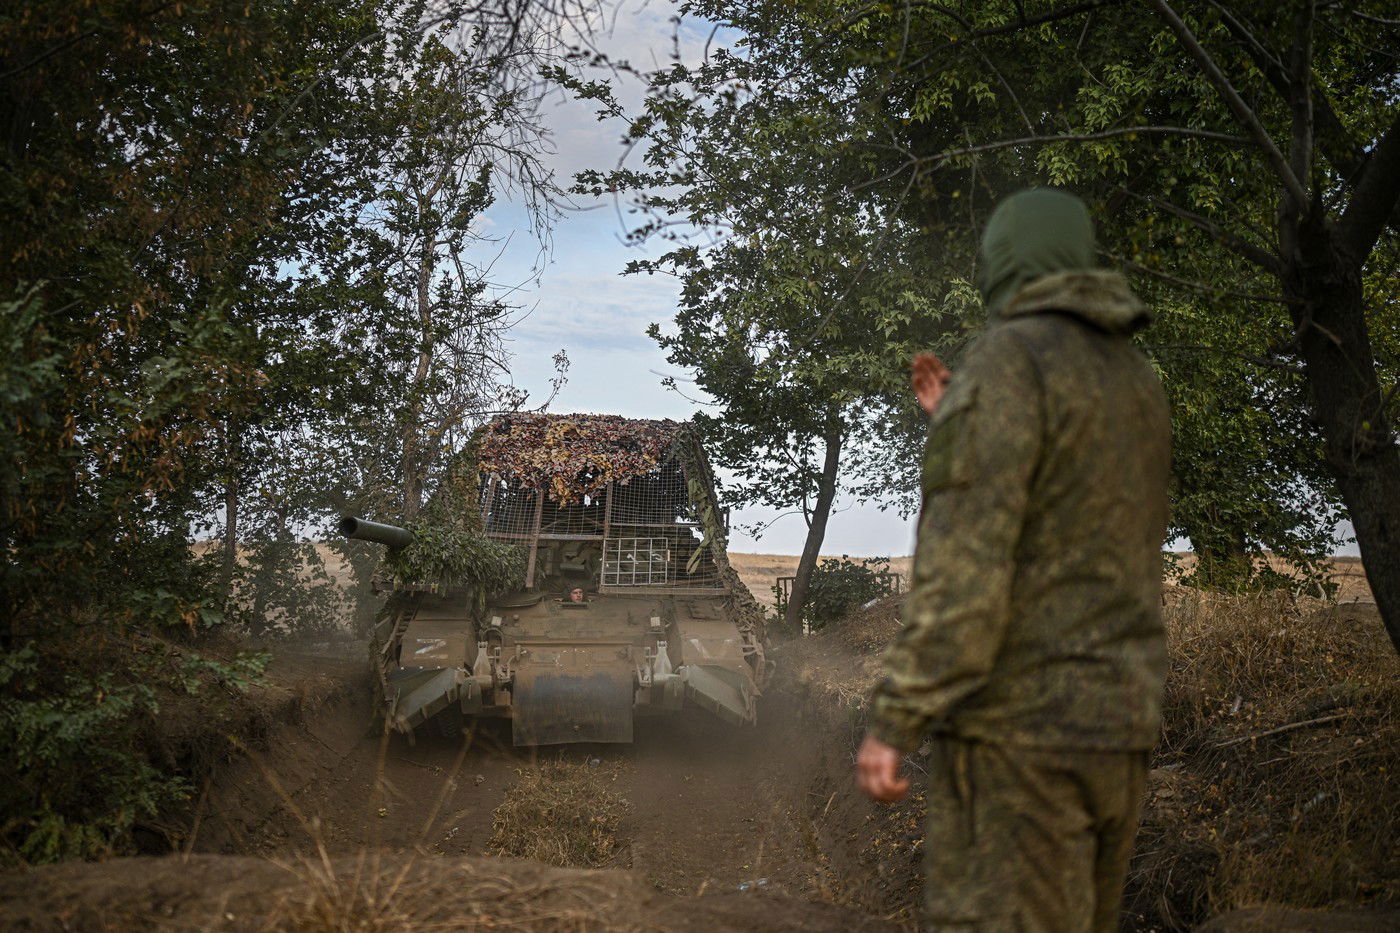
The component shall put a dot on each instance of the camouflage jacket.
(1034, 612)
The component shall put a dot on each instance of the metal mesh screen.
(636, 562)
(508, 511)
(639, 533)
(687, 566)
(656, 500)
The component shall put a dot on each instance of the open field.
(759, 571)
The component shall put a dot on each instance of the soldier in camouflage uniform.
(1033, 647)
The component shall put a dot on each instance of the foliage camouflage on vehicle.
(572, 455)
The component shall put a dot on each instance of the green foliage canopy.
(911, 120)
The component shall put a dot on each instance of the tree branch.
(1263, 361)
(1376, 196)
(1266, 60)
(1049, 16)
(947, 154)
(1255, 254)
(1016, 26)
(1300, 93)
(1285, 728)
(1291, 184)
(1374, 19)
(1192, 283)
(1329, 131)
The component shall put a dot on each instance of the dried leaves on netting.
(573, 456)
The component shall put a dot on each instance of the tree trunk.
(816, 528)
(1325, 296)
(231, 501)
(414, 462)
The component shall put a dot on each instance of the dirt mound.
(564, 811)
(1271, 781)
(378, 892)
(842, 662)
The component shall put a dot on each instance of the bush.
(98, 739)
(840, 585)
(79, 785)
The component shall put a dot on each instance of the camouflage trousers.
(1028, 840)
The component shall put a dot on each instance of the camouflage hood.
(1038, 256)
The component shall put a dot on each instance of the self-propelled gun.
(629, 606)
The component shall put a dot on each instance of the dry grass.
(1273, 782)
(402, 894)
(563, 812)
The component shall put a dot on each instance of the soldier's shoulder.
(1005, 345)
(1033, 331)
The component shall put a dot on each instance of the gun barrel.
(391, 536)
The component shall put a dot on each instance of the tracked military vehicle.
(629, 606)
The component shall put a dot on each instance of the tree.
(790, 318)
(190, 344)
(1276, 155)
(801, 395)
(458, 138)
(1246, 189)
(149, 202)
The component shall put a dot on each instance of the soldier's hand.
(929, 378)
(877, 771)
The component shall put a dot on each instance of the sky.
(579, 300)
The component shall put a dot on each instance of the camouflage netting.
(573, 456)
(700, 483)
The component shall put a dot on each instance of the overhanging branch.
(1291, 183)
(1017, 25)
(1376, 195)
(948, 154)
(1261, 257)
(1194, 284)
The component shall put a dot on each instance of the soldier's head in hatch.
(1033, 233)
(576, 595)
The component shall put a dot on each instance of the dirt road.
(328, 824)
(709, 809)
